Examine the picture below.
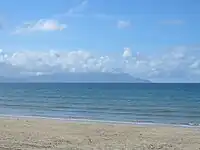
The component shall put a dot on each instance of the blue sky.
(101, 27)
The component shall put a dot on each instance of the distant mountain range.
(78, 78)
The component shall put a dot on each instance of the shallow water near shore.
(177, 104)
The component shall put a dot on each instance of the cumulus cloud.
(123, 24)
(181, 62)
(41, 25)
(127, 53)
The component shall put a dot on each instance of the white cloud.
(179, 63)
(76, 11)
(79, 8)
(195, 65)
(41, 25)
(123, 24)
(127, 53)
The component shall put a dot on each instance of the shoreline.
(89, 121)
(28, 133)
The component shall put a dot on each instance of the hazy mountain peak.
(78, 77)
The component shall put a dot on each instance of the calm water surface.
(154, 103)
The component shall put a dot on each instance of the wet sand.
(47, 134)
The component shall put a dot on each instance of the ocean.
(144, 103)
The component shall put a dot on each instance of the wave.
(82, 120)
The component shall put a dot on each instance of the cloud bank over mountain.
(179, 63)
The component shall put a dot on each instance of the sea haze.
(154, 103)
(77, 78)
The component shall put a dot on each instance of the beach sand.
(47, 134)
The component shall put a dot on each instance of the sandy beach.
(47, 134)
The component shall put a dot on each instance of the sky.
(155, 40)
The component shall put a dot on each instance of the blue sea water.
(147, 103)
